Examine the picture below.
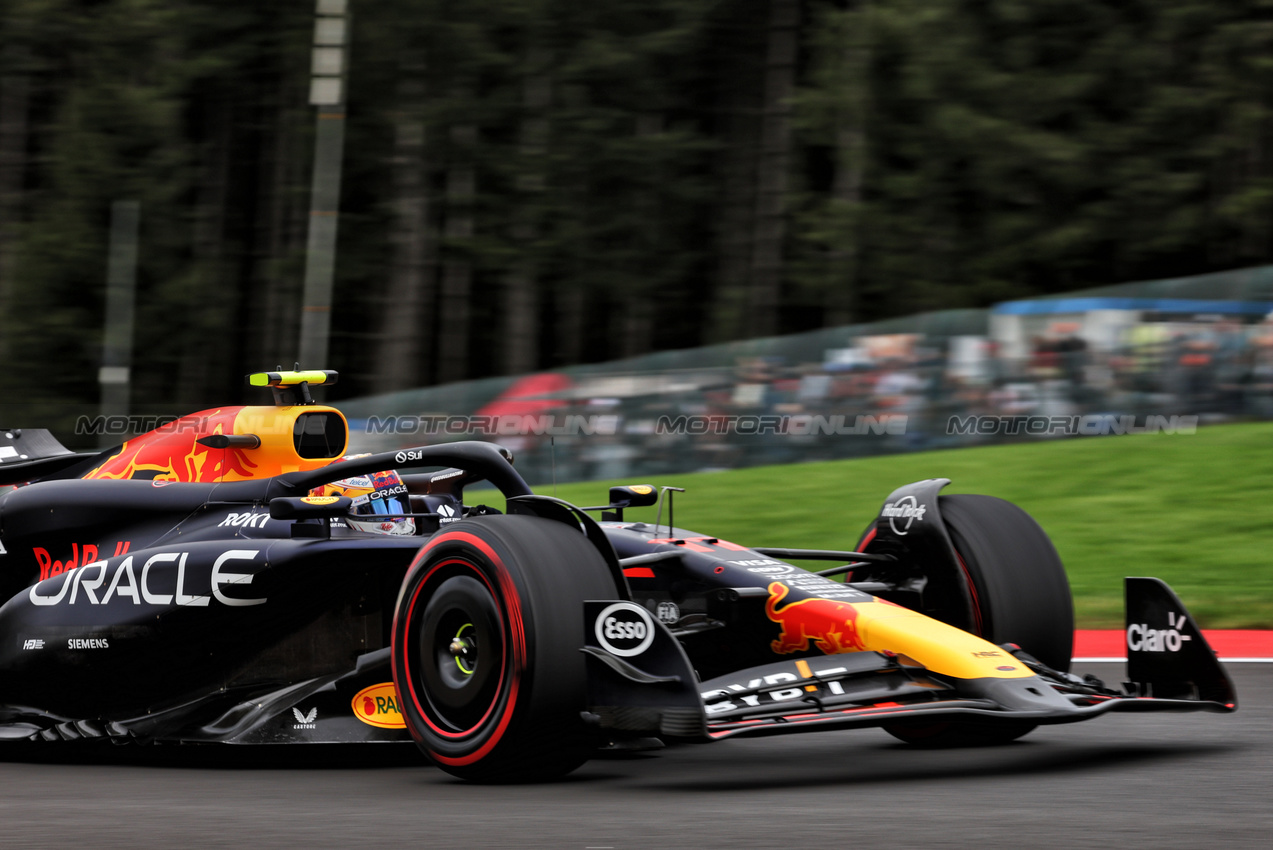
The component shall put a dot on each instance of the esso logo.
(625, 629)
(617, 628)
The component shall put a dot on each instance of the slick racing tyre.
(486, 640)
(1019, 594)
(1016, 580)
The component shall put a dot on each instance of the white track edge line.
(1091, 660)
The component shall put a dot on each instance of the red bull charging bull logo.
(831, 625)
(172, 453)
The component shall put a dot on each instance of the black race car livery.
(232, 578)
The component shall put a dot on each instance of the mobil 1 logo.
(624, 629)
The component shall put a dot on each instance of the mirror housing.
(633, 496)
(629, 496)
(309, 507)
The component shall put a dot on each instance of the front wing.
(642, 683)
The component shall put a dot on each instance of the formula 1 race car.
(231, 577)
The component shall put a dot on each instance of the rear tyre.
(1019, 594)
(485, 652)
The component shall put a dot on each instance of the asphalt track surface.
(1162, 780)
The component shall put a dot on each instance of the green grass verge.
(1193, 510)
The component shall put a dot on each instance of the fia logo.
(668, 612)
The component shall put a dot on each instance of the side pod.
(1167, 655)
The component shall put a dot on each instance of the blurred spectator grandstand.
(1166, 354)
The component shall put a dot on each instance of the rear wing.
(30, 453)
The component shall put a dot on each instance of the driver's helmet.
(379, 500)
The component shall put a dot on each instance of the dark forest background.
(531, 183)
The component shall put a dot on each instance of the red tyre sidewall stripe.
(517, 641)
(866, 541)
(972, 593)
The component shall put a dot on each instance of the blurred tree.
(15, 86)
(520, 287)
(1013, 148)
(734, 88)
(625, 182)
(832, 112)
(105, 125)
(457, 265)
(537, 182)
(406, 318)
(772, 168)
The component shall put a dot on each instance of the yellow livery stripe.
(941, 648)
(836, 626)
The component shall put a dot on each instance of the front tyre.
(1019, 594)
(1017, 582)
(485, 651)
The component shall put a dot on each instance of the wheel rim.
(460, 650)
(464, 649)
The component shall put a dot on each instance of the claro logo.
(127, 581)
(1141, 638)
(378, 706)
